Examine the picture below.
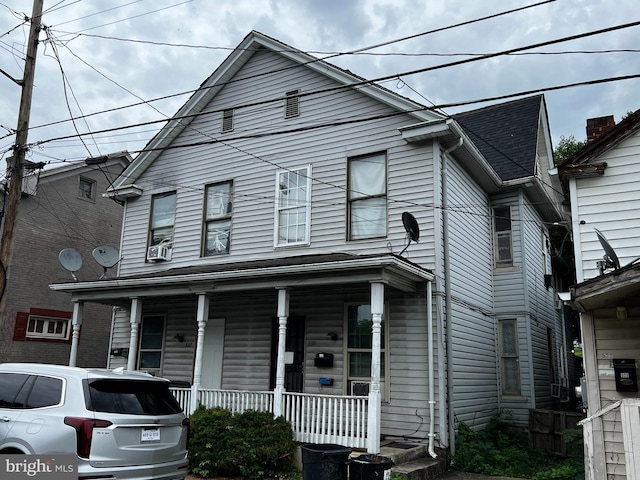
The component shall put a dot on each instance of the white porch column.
(202, 315)
(76, 321)
(135, 316)
(373, 427)
(283, 315)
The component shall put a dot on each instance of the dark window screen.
(131, 397)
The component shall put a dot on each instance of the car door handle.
(5, 419)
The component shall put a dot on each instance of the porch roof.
(302, 271)
(615, 288)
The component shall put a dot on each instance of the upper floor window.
(509, 358)
(293, 207)
(218, 210)
(502, 236)
(87, 189)
(367, 197)
(163, 217)
(227, 120)
(292, 104)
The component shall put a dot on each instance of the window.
(86, 189)
(131, 397)
(10, 385)
(367, 197)
(218, 210)
(293, 207)
(502, 239)
(292, 104)
(151, 342)
(163, 217)
(359, 344)
(227, 120)
(47, 327)
(46, 392)
(509, 358)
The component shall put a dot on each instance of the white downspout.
(447, 295)
(432, 394)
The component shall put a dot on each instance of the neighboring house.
(603, 179)
(60, 208)
(266, 259)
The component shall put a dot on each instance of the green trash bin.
(324, 461)
(370, 467)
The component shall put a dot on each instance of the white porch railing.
(314, 418)
(630, 411)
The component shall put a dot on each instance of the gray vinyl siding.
(475, 396)
(252, 164)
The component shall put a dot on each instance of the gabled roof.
(605, 142)
(506, 134)
(255, 41)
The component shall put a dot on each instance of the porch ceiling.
(301, 271)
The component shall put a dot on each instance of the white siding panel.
(610, 203)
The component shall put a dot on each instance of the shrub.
(251, 444)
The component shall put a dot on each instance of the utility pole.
(15, 164)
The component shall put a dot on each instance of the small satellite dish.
(610, 259)
(411, 227)
(70, 260)
(106, 256)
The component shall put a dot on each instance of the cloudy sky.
(117, 63)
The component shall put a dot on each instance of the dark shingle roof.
(506, 135)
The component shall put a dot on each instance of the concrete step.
(425, 468)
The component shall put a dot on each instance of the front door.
(293, 372)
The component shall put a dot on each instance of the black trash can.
(324, 461)
(370, 467)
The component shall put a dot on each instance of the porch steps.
(413, 462)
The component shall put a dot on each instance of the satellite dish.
(610, 259)
(70, 260)
(411, 227)
(106, 256)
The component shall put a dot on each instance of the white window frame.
(285, 209)
(223, 215)
(81, 192)
(142, 350)
(511, 354)
(358, 195)
(384, 349)
(156, 225)
(501, 234)
(46, 323)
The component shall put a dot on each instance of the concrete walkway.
(472, 476)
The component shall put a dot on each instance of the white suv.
(120, 424)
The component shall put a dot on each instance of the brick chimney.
(598, 126)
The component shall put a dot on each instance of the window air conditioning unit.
(360, 389)
(159, 253)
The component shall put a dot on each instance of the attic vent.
(292, 108)
(227, 120)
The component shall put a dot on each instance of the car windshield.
(131, 397)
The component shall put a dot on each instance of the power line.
(412, 72)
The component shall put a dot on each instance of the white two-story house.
(302, 240)
(602, 180)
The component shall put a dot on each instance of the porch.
(314, 418)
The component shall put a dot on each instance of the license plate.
(150, 434)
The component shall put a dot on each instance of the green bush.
(502, 450)
(251, 444)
